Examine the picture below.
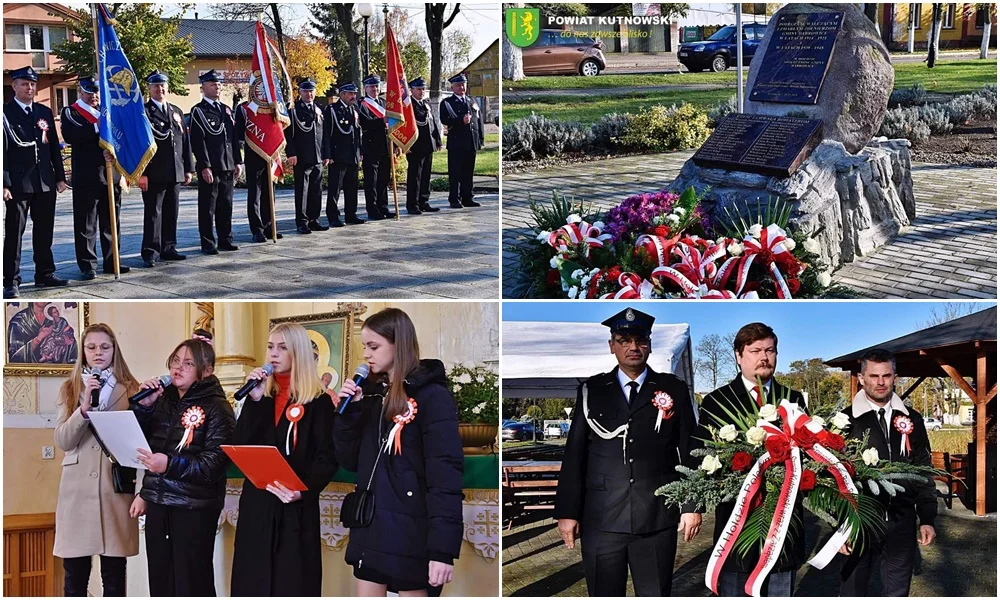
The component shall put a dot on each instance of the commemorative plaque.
(764, 144)
(795, 62)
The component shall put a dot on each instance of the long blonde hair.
(396, 327)
(70, 390)
(304, 384)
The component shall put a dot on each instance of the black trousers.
(162, 203)
(418, 180)
(377, 185)
(308, 193)
(342, 176)
(778, 584)
(91, 217)
(894, 557)
(461, 164)
(78, 576)
(180, 543)
(215, 207)
(260, 196)
(42, 208)
(608, 558)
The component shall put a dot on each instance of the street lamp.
(366, 10)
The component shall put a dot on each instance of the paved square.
(948, 252)
(448, 254)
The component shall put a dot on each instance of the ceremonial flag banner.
(124, 129)
(267, 111)
(398, 107)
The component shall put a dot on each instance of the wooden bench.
(529, 485)
(953, 480)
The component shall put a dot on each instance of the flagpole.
(274, 217)
(388, 140)
(108, 168)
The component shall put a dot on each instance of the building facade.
(30, 32)
(962, 24)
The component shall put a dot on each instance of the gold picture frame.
(59, 360)
(331, 334)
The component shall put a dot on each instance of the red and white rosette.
(42, 124)
(904, 426)
(665, 408)
(576, 231)
(191, 419)
(294, 414)
(399, 421)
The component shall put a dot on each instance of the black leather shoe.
(121, 269)
(229, 247)
(277, 237)
(389, 215)
(258, 238)
(376, 217)
(50, 280)
(10, 292)
(336, 223)
(354, 221)
(210, 251)
(317, 226)
(428, 208)
(471, 204)
(149, 264)
(172, 256)
(89, 274)
(413, 211)
(454, 205)
(304, 229)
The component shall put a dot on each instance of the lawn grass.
(953, 441)
(579, 82)
(487, 161)
(491, 138)
(592, 109)
(948, 77)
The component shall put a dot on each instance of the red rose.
(808, 480)
(833, 441)
(849, 467)
(661, 230)
(778, 447)
(751, 286)
(613, 274)
(553, 278)
(794, 285)
(804, 438)
(742, 460)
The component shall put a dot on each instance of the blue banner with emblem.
(125, 130)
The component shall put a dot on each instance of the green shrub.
(661, 129)
(721, 111)
(936, 117)
(609, 129)
(904, 122)
(911, 96)
(537, 137)
(440, 184)
(977, 106)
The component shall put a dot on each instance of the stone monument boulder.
(859, 79)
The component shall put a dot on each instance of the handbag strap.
(101, 443)
(378, 451)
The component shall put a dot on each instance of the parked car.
(556, 430)
(518, 432)
(932, 423)
(556, 53)
(718, 52)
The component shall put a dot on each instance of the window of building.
(57, 36)
(948, 16)
(13, 37)
(65, 96)
(981, 15)
(36, 39)
(915, 13)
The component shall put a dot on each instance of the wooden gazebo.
(962, 348)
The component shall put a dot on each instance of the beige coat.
(91, 519)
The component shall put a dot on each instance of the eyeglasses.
(93, 347)
(641, 342)
(187, 365)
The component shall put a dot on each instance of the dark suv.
(718, 52)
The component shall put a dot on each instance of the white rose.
(710, 464)
(768, 412)
(840, 420)
(728, 433)
(824, 279)
(572, 292)
(680, 211)
(789, 244)
(818, 421)
(673, 219)
(755, 230)
(756, 436)
(870, 456)
(811, 246)
(573, 219)
(735, 248)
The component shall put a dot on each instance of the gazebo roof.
(958, 340)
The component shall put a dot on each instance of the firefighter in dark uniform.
(260, 192)
(616, 457)
(160, 183)
(218, 161)
(304, 148)
(418, 159)
(461, 115)
(342, 152)
(32, 174)
(375, 153)
(90, 184)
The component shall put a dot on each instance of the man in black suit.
(420, 156)
(461, 115)
(756, 349)
(342, 152)
(91, 210)
(32, 174)
(219, 162)
(616, 456)
(878, 413)
(304, 147)
(375, 151)
(161, 181)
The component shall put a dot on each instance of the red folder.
(263, 465)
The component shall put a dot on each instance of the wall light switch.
(48, 452)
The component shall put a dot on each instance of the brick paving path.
(956, 218)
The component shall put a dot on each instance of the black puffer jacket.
(418, 494)
(196, 475)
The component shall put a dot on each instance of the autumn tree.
(148, 40)
(409, 39)
(456, 52)
(307, 57)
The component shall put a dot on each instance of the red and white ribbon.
(191, 419)
(576, 231)
(904, 426)
(294, 414)
(769, 246)
(399, 421)
(664, 406)
(633, 287)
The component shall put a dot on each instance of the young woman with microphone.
(186, 423)
(91, 518)
(278, 550)
(401, 437)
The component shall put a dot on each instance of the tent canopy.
(550, 359)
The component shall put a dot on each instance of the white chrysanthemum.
(768, 412)
(756, 435)
(710, 464)
(824, 279)
(673, 219)
(728, 433)
(464, 378)
(735, 249)
(679, 211)
(870, 456)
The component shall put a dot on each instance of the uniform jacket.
(31, 169)
(462, 137)
(87, 156)
(374, 135)
(342, 134)
(418, 494)
(918, 498)
(608, 491)
(196, 475)
(173, 157)
(91, 518)
(307, 146)
(429, 134)
(735, 394)
(221, 151)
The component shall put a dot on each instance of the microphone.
(360, 374)
(243, 391)
(165, 380)
(95, 395)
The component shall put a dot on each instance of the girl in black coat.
(186, 424)
(408, 423)
(278, 551)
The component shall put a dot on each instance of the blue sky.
(805, 329)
